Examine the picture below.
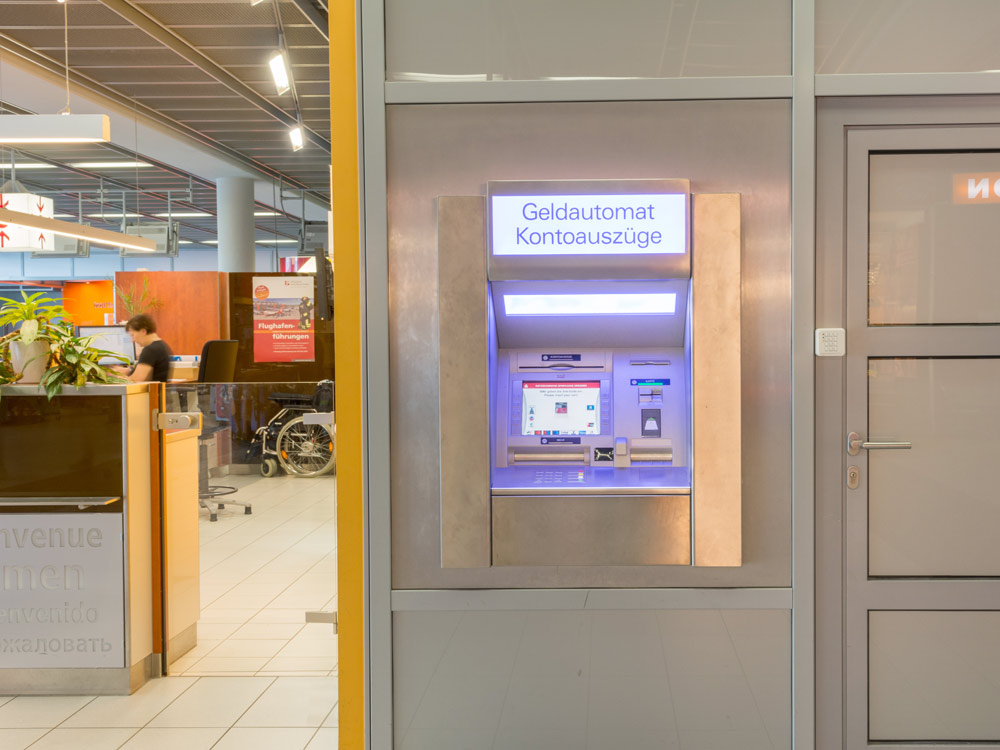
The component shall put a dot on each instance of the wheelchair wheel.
(306, 450)
(268, 467)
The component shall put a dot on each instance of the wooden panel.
(185, 305)
(180, 519)
(716, 380)
(140, 552)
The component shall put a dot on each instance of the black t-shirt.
(157, 355)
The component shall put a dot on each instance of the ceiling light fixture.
(55, 129)
(76, 231)
(110, 164)
(279, 71)
(295, 136)
(182, 215)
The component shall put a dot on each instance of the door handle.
(855, 443)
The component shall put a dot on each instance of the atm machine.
(590, 379)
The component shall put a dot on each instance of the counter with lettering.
(79, 515)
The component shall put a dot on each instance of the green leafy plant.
(137, 301)
(69, 359)
(73, 361)
(30, 315)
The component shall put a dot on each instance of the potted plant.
(73, 361)
(27, 347)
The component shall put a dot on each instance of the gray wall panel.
(735, 146)
(573, 679)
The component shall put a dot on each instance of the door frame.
(847, 129)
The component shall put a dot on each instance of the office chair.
(218, 365)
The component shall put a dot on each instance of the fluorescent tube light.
(112, 216)
(76, 231)
(181, 215)
(277, 242)
(590, 304)
(265, 213)
(110, 164)
(55, 129)
(279, 71)
(28, 165)
(295, 135)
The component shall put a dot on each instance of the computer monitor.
(110, 338)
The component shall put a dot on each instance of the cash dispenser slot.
(576, 457)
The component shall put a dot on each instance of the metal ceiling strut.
(315, 16)
(149, 25)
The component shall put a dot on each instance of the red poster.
(284, 325)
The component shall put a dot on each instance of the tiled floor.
(193, 713)
(259, 575)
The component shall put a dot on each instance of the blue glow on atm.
(590, 304)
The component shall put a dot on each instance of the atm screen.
(563, 408)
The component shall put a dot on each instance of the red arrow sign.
(41, 241)
(3, 235)
(40, 206)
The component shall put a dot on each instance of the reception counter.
(80, 540)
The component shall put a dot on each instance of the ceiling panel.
(106, 48)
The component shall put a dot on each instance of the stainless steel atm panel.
(570, 429)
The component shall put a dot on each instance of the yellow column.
(347, 351)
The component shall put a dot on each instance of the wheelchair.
(286, 441)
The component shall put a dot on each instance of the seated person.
(154, 359)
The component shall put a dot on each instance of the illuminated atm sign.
(589, 224)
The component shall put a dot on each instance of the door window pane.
(932, 510)
(934, 223)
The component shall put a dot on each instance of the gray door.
(922, 556)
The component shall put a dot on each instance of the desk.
(183, 371)
(76, 540)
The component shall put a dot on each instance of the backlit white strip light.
(590, 304)
(76, 231)
(55, 129)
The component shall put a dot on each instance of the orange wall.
(88, 301)
(189, 313)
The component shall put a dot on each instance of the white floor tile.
(173, 738)
(89, 738)
(265, 739)
(216, 631)
(249, 647)
(182, 665)
(213, 702)
(293, 702)
(333, 718)
(134, 710)
(268, 630)
(300, 664)
(227, 615)
(325, 739)
(228, 664)
(40, 711)
(18, 739)
(276, 615)
(310, 647)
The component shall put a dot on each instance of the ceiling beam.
(318, 18)
(50, 65)
(149, 25)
